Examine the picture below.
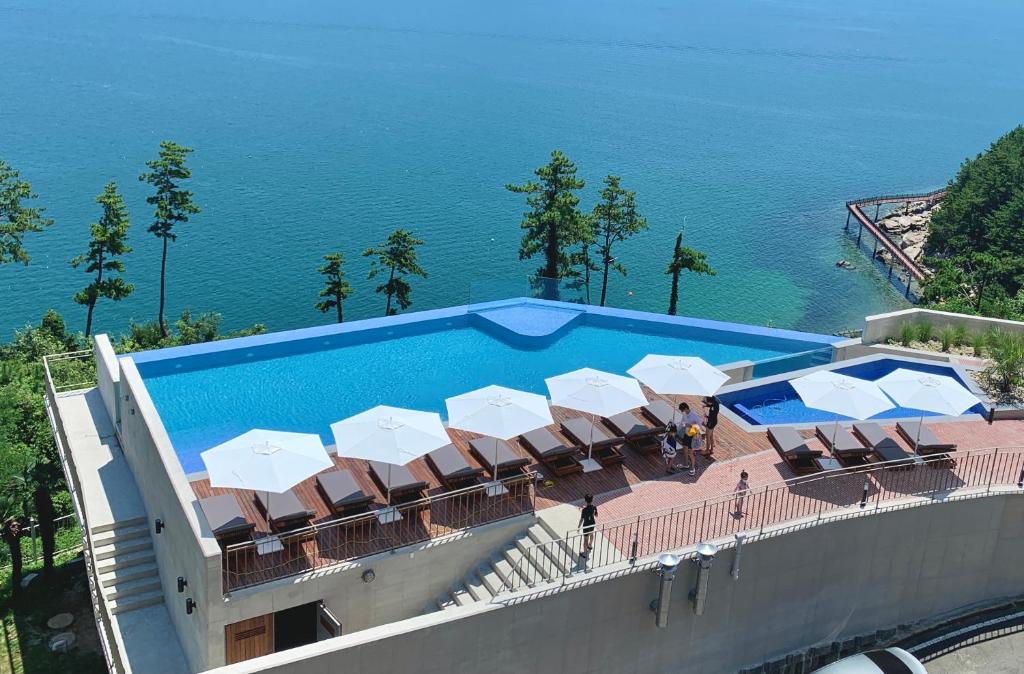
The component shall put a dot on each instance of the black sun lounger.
(404, 486)
(509, 461)
(638, 435)
(284, 511)
(882, 446)
(843, 445)
(659, 412)
(452, 469)
(794, 450)
(926, 443)
(583, 432)
(552, 452)
(227, 522)
(341, 493)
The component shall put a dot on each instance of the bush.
(979, 342)
(947, 336)
(906, 334)
(1007, 369)
(960, 337)
(925, 331)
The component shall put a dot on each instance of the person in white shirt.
(690, 419)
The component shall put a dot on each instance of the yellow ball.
(693, 430)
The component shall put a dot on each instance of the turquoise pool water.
(208, 399)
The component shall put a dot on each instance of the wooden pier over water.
(855, 209)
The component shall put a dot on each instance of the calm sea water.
(322, 126)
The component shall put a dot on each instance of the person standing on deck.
(686, 435)
(710, 421)
(588, 520)
(668, 449)
(742, 487)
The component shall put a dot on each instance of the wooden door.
(249, 638)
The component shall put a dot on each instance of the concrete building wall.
(186, 546)
(797, 587)
(855, 348)
(108, 375)
(880, 327)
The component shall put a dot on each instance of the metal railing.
(828, 494)
(71, 371)
(321, 545)
(934, 195)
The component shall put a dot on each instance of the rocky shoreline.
(908, 227)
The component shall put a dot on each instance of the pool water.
(204, 400)
(778, 402)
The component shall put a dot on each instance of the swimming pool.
(305, 380)
(776, 402)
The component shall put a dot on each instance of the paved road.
(1004, 655)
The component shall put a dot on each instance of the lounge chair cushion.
(341, 490)
(282, 507)
(788, 441)
(402, 480)
(486, 447)
(659, 411)
(844, 442)
(449, 462)
(628, 425)
(544, 443)
(225, 515)
(927, 441)
(583, 432)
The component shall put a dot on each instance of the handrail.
(934, 195)
(772, 504)
(361, 535)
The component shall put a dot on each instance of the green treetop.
(109, 241)
(336, 288)
(16, 217)
(397, 258)
(615, 219)
(685, 259)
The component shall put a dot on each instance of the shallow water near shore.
(322, 126)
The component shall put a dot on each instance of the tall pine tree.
(615, 219)
(684, 259)
(336, 288)
(109, 242)
(17, 218)
(397, 258)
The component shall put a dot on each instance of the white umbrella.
(601, 394)
(927, 392)
(393, 435)
(267, 461)
(841, 394)
(679, 375)
(499, 412)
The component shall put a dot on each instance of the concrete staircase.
(126, 565)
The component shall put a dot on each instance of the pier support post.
(890, 268)
(846, 227)
(910, 279)
(875, 251)
(877, 206)
(860, 230)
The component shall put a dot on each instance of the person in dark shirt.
(710, 421)
(588, 520)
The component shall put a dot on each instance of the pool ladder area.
(770, 407)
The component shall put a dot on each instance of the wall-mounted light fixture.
(667, 570)
(189, 606)
(182, 583)
(699, 595)
(158, 525)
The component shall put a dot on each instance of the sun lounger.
(552, 452)
(452, 469)
(341, 493)
(284, 511)
(882, 446)
(509, 462)
(659, 412)
(922, 440)
(842, 444)
(583, 432)
(404, 486)
(226, 519)
(638, 435)
(794, 450)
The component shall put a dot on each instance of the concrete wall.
(186, 546)
(855, 348)
(880, 327)
(407, 580)
(739, 371)
(796, 588)
(108, 375)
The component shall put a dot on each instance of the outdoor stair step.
(560, 547)
(137, 586)
(462, 596)
(119, 549)
(126, 560)
(510, 578)
(523, 567)
(446, 602)
(121, 534)
(555, 552)
(129, 573)
(110, 526)
(490, 579)
(475, 585)
(136, 601)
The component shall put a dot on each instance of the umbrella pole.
(389, 485)
(590, 449)
(835, 432)
(920, 425)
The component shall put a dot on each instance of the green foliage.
(17, 218)
(947, 337)
(1007, 369)
(684, 259)
(397, 258)
(553, 223)
(336, 288)
(906, 334)
(172, 204)
(960, 336)
(615, 219)
(976, 244)
(979, 342)
(925, 331)
(204, 327)
(109, 241)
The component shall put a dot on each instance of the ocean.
(322, 126)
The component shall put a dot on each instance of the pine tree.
(684, 259)
(109, 237)
(397, 257)
(336, 288)
(16, 218)
(173, 205)
(616, 219)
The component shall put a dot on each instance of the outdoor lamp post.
(705, 556)
(667, 570)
